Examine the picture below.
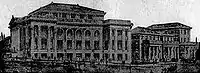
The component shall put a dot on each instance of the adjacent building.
(162, 42)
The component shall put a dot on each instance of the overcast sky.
(140, 12)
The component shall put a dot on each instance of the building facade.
(70, 32)
(162, 43)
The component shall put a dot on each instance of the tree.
(2, 52)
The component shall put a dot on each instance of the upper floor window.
(69, 33)
(96, 33)
(44, 43)
(73, 15)
(59, 44)
(119, 32)
(78, 33)
(82, 16)
(87, 33)
(60, 32)
(90, 16)
(64, 15)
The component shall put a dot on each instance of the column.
(123, 39)
(55, 42)
(39, 39)
(48, 42)
(149, 57)
(32, 40)
(115, 39)
(153, 51)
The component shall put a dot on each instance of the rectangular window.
(126, 56)
(69, 56)
(119, 44)
(119, 32)
(96, 56)
(78, 45)
(44, 43)
(82, 16)
(119, 57)
(87, 45)
(69, 44)
(87, 56)
(90, 16)
(113, 44)
(96, 45)
(79, 55)
(113, 56)
(106, 45)
(59, 44)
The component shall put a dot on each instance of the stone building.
(70, 32)
(162, 42)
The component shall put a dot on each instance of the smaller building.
(162, 43)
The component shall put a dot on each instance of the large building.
(70, 32)
(60, 31)
(162, 42)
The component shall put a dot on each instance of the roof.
(143, 30)
(169, 25)
(66, 7)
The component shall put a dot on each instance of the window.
(60, 32)
(44, 30)
(73, 15)
(87, 33)
(113, 44)
(87, 56)
(82, 16)
(69, 44)
(119, 32)
(35, 30)
(87, 45)
(119, 45)
(126, 45)
(106, 45)
(44, 55)
(119, 57)
(79, 55)
(55, 14)
(36, 55)
(90, 16)
(113, 56)
(96, 33)
(78, 44)
(69, 33)
(64, 15)
(78, 33)
(96, 56)
(113, 32)
(36, 43)
(60, 55)
(96, 45)
(69, 56)
(59, 44)
(44, 43)
(126, 56)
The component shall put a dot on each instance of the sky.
(140, 12)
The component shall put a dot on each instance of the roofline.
(64, 4)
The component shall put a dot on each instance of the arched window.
(60, 32)
(78, 33)
(69, 32)
(87, 33)
(96, 33)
